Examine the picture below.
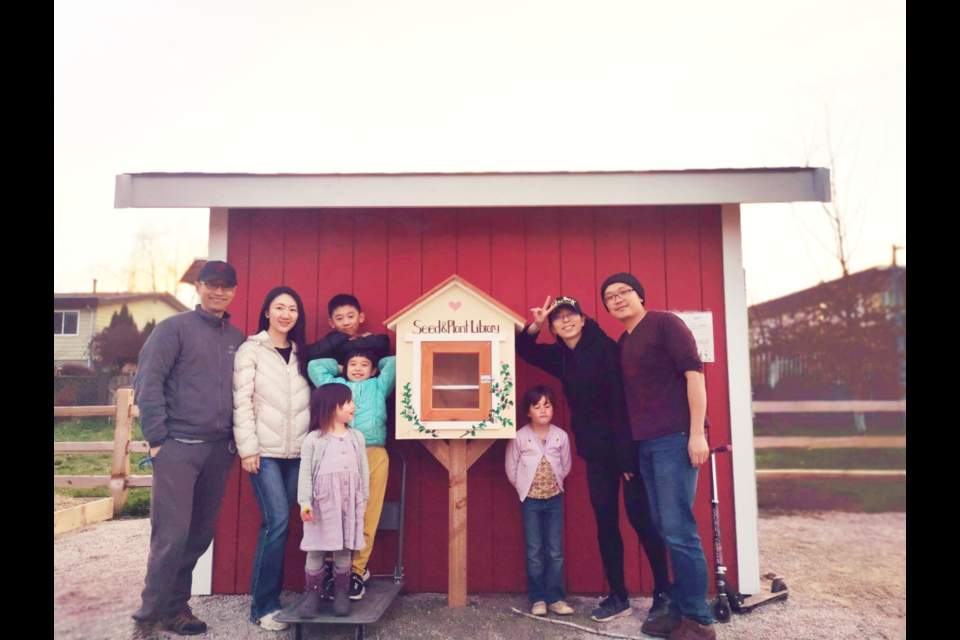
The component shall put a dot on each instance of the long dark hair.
(298, 334)
(324, 403)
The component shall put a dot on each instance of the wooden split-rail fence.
(845, 442)
(119, 481)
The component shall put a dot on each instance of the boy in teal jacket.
(370, 395)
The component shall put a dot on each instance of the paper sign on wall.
(701, 324)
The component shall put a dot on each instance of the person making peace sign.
(587, 363)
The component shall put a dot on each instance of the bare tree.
(846, 213)
(158, 259)
(843, 331)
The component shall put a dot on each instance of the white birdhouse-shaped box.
(455, 364)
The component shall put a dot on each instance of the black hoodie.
(338, 346)
(591, 378)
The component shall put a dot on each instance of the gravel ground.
(847, 575)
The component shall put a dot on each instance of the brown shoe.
(660, 626)
(185, 624)
(691, 630)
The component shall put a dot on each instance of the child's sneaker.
(539, 608)
(328, 586)
(357, 586)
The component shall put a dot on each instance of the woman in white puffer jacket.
(271, 416)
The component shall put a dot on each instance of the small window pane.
(456, 369)
(456, 398)
(70, 321)
(57, 323)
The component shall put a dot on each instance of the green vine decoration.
(501, 392)
(410, 414)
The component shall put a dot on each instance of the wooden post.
(121, 453)
(457, 587)
(457, 456)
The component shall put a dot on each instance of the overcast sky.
(370, 86)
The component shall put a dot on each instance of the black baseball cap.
(217, 270)
(564, 301)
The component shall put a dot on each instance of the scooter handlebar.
(725, 448)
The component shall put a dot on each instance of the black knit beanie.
(624, 278)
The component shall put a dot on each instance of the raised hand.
(540, 315)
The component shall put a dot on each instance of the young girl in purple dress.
(333, 491)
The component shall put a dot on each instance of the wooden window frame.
(427, 349)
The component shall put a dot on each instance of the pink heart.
(454, 305)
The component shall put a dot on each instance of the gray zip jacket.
(184, 381)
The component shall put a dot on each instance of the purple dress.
(338, 502)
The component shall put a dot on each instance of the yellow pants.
(379, 462)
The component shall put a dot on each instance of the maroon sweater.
(654, 359)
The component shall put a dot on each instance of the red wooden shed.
(389, 238)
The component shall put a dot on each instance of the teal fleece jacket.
(369, 395)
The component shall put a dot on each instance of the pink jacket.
(526, 451)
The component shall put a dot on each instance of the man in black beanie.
(667, 403)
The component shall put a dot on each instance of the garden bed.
(77, 512)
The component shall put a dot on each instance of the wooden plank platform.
(846, 442)
(380, 593)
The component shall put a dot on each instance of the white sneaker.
(267, 622)
(561, 608)
(539, 608)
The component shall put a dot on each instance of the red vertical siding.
(334, 258)
(405, 284)
(225, 550)
(508, 266)
(388, 258)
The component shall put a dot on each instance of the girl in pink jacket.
(537, 462)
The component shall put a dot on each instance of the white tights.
(341, 560)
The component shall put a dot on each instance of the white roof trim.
(393, 325)
(718, 186)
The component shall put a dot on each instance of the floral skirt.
(338, 508)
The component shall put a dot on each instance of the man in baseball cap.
(184, 389)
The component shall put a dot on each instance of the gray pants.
(188, 484)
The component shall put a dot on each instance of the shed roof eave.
(599, 188)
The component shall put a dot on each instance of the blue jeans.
(276, 490)
(672, 485)
(543, 527)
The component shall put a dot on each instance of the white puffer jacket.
(271, 401)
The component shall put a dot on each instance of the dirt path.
(847, 575)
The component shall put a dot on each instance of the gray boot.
(309, 606)
(341, 598)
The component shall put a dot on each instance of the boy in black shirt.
(346, 317)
